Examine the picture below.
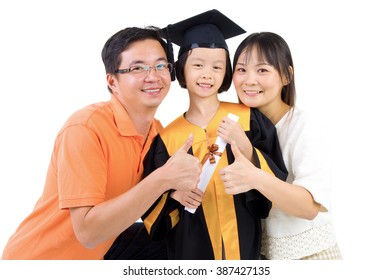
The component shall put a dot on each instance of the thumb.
(236, 151)
(187, 144)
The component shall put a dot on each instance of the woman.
(299, 225)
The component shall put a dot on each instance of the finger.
(222, 172)
(187, 144)
(198, 192)
(221, 127)
(236, 151)
(196, 200)
(227, 187)
(229, 191)
(193, 203)
(225, 119)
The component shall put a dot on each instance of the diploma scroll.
(209, 168)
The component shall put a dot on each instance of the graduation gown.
(224, 226)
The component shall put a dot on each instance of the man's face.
(141, 90)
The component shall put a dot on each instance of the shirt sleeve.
(81, 167)
(310, 156)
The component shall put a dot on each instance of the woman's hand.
(240, 176)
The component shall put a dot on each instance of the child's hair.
(276, 52)
(180, 65)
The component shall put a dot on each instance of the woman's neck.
(275, 113)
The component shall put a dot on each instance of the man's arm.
(95, 224)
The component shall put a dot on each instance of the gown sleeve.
(268, 155)
(163, 215)
(265, 139)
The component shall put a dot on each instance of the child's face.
(258, 84)
(205, 71)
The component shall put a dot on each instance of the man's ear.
(111, 82)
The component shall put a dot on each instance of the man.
(94, 188)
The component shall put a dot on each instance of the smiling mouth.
(204, 85)
(152, 91)
(252, 92)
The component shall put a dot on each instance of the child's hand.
(230, 131)
(190, 199)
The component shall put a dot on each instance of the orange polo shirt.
(97, 156)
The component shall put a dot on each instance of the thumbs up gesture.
(240, 176)
(183, 170)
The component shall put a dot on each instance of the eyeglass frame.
(147, 69)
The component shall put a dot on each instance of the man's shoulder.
(89, 115)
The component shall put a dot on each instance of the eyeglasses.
(143, 70)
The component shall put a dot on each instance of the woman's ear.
(287, 80)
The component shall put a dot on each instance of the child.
(224, 226)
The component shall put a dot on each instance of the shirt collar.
(123, 121)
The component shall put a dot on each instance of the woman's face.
(258, 84)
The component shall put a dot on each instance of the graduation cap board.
(206, 30)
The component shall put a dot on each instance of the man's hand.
(182, 169)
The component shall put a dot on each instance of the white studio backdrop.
(51, 67)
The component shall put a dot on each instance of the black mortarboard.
(206, 30)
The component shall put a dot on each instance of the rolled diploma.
(209, 168)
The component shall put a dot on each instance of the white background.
(50, 66)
